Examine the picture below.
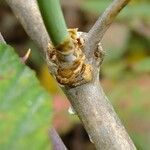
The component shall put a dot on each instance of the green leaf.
(24, 105)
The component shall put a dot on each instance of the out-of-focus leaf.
(143, 65)
(133, 10)
(24, 105)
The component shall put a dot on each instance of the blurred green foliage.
(134, 9)
(143, 65)
(25, 107)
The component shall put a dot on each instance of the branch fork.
(103, 127)
(67, 72)
(99, 55)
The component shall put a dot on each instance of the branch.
(28, 14)
(56, 140)
(65, 56)
(102, 24)
(2, 39)
(99, 118)
(88, 100)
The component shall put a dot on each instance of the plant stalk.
(54, 21)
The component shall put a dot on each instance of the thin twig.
(97, 32)
(28, 14)
(2, 39)
(56, 140)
